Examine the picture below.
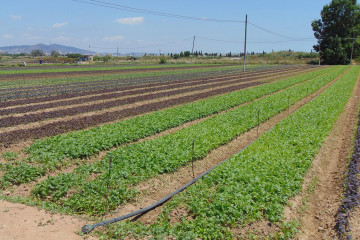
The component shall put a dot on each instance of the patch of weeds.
(22, 173)
(9, 156)
(288, 230)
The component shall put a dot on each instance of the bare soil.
(355, 224)
(315, 207)
(18, 221)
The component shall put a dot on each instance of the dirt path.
(315, 207)
(355, 224)
(18, 221)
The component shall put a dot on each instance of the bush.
(162, 60)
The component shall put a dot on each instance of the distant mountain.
(46, 48)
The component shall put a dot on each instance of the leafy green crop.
(138, 162)
(255, 183)
(22, 173)
(85, 143)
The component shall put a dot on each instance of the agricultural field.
(258, 151)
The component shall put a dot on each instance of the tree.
(335, 31)
(55, 53)
(37, 53)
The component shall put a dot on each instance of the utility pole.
(352, 49)
(245, 43)
(192, 51)
(319, 53)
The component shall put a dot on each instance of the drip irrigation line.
(88, 228)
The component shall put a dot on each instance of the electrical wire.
(164, 14)
(152, 46)
(150, 12)
(238, 42)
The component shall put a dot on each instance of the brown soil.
(18, 221)
(113, 109)
(355, 224)
(316, 205)
(162, 185)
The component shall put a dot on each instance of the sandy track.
(326, 175)
(18, 221)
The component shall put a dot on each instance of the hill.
(46, 48)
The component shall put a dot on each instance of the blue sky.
(104, 29)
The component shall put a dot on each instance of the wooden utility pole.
(245, 43)
(320, 52)
(352, 49)
(192, 51)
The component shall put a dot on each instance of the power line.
(241, 42)
(171, 15)
(151, 46)
(150, 12)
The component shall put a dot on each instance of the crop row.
(132, 90)
(54, 128)
(36, 117)
(84, 89)
(106, 84)
(86, 143)
(121, 69)
(18, 85)
(140, 161)
(255, 184)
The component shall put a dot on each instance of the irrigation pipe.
(88, 228)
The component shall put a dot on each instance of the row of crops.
(138, 162)
(157, 156)
(105, 79)
(256, 183)
(253, 185)
(87, 96)
(152, 101)
(109, 82)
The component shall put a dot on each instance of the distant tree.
(339, 24)
(107, 58)
(162, 60)
(187, 54)
(74, 55)
(37, 53)
(55, 53)
(181, 54)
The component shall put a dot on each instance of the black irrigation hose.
(351, 196)
(88, 228)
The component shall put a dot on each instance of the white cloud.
(59, 25)
(135, 20)
(7, 36)
(114, 38)
(14, 17)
